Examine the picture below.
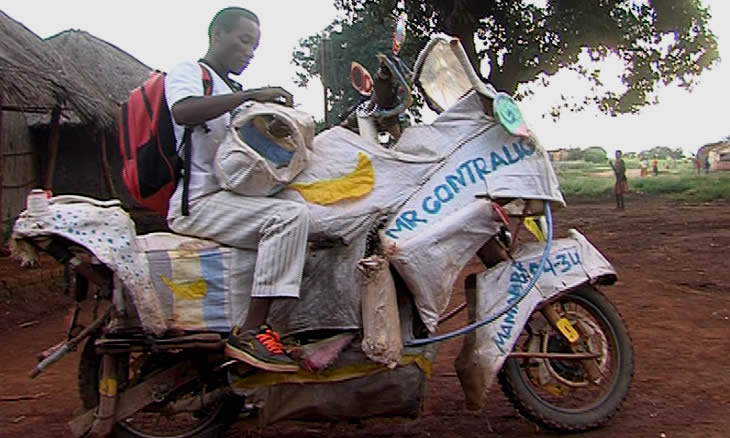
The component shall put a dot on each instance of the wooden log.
(106, 169)
(53, 138)
(2, 164)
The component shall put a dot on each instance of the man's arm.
(195, 110)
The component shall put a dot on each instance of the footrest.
(204, 341)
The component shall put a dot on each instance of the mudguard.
(573, 261)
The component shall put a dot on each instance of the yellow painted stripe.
(355, 184)
(187, 290)
(534, 227)
(108, 387)
(188, 287)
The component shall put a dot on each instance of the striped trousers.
(276, 228)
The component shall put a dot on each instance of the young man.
(622, 185)
(276, 228)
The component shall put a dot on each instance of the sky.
(161, 33)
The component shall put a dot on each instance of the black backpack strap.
(186, 143)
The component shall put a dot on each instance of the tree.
(659, 41)
(345, 41)
(575, 154)
(662, 152)
(595, 154)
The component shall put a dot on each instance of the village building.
(558, 154)
(718, 155)
(59, 101)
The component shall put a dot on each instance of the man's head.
(618, 154)
(233, 37)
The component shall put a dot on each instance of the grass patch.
(683, 182)
(585, 185)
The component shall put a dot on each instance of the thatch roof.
(114, 71)
(704, 150)
(35, 78)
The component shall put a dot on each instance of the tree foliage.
(658, 41)
(662, 152)
(345, 41)
(595, 154)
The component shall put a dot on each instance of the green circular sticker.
(509, 116)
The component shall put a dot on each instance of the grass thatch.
(36, 78)
(113, 70)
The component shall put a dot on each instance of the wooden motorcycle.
(383, 259)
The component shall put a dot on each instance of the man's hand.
(271, 94)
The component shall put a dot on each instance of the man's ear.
(216, 34)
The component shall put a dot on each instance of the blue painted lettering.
(411, 218)
(443, 193)
(431, 205)
(576, 260)
(480, 164)
(526, 150)
(465, 167)
(510, 159)
(468, 172)
(456, 181)
(400, 225)
(497, 161)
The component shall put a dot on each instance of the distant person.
(698, 164)
(707, 163)
(622, 185)
(644, 167)
(655, 167)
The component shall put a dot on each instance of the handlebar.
(398, 70)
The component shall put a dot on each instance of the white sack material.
(382, 341)
(241, 169)
(486, 162)
(430, 262)
(572, 262)
(108, 232)
(334, 160)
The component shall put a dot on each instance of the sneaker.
(260, 348)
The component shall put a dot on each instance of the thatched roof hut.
(35, 79)
(113, 70)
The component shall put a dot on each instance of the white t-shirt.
(186, 80)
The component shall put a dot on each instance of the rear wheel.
(558, 393)
(160, 419)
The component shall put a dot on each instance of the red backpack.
(151, 163)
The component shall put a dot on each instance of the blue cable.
(494, 317)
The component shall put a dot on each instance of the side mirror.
(360, 78)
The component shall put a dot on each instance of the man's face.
(236, 47)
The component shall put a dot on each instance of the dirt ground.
(673, 291)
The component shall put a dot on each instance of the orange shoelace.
(271, 340)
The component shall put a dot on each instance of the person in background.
(707, 164)
(698, 164)
(622, 185)
(644, 167)
(655, 167)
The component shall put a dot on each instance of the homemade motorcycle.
(395, 218)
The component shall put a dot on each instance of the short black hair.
(227, 18)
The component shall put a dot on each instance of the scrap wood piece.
(28, 324)
(13, 398)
